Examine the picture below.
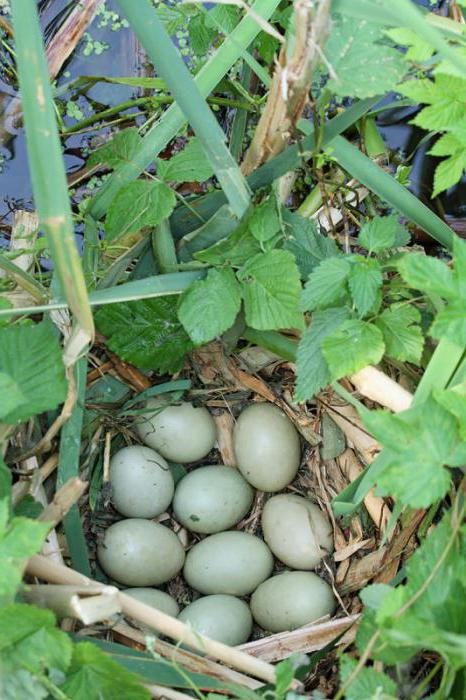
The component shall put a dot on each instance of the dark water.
(122, 58)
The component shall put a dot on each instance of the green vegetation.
(247, 235)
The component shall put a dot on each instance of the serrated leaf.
(447, 145)
(368, 684)
(418, 49)
(93, 675)
(312, 370)
(236, 249)
(19, 540)
(270, 287)
(454, 401)
(450, 322)
(353, 49)
(401, 333)
(351, 347)
(449, 172)
(29, 638)
(200, 36)
(308, 246)
(119, 151)
(190, 165)
(209, 307)
(136, 205)
(327, 284)
(146, 333)
(415, 451)
(31, 363)
(364, 281)
(428, 274)
(264, 223)
(427, 612)
(382, 233)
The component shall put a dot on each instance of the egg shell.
(297, 531)
(211, 499)
(267, 447)
(232, 562)
(180, 433)
(288, 601)
(138, 552)
(221, 617)
(156, 599)
(142, 483)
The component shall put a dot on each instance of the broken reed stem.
(85, 603)
(161, 691)
(46, 570)
(25, 486)
(377, 386)
(63, 500)
(289, 92)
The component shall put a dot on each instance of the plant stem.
(154, 101)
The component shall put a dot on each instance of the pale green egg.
(141, 481)
(290, 600)
(138, 552)
(234, 563)
(221, 617)
(156, 599)
(297, 531)
(267, 447)
(180, 433)
(212, 499)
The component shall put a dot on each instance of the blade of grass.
(147, 288)
(388, 189)
(240, 119)
(68, 466)
(173, 119)
(46, 162)
(23, 279)
(171, 67)
(440, 369)
(182, 220)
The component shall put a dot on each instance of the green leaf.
(382, 233)
(93, 675)
(190, 165)
(29, 639)
(308, 246)
(418, 51)
(445, 95)
(428, 274)
(447, 145)
(31, 366)
(415, 452)
(312, 370)
(401, 333)
(136, 205)
(118, 151)
(200, 36)
(19, 539)
(146, 333)
(428, 612)
(449, 172)
(236, 249)
(270, 287)
(264, 223)
(368, 684)
(351, 347)
(454, 401)
(209, 307)
(327, 284)
(364, 67)
(450, 322)
(364, 281)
